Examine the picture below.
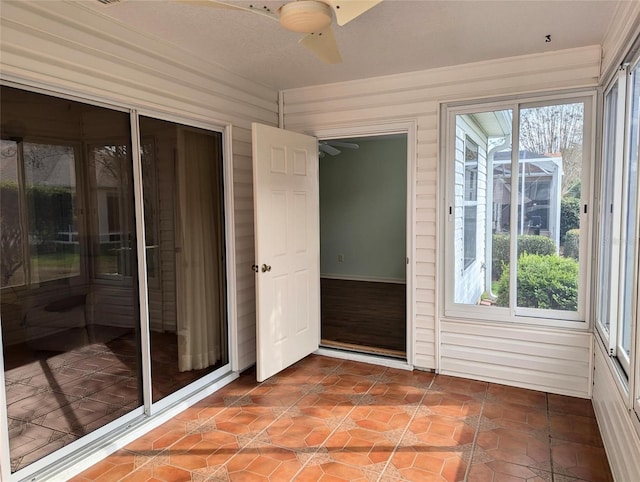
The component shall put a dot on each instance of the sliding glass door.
(72, 326)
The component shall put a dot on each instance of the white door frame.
(409, 128)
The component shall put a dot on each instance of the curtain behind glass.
(200, 302)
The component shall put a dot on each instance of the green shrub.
(527, 243)
(499, 254)
(569, 216)
(544, 281)
(51, 211)
(533, 244)
(572, 243)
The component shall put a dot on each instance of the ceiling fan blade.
(324, 45)
(347, 10)
(346, 145)
(332, 151)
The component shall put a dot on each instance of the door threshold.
(369, 350)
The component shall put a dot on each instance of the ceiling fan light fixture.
(305, 16)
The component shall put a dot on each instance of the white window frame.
(512, 314)
(614, 213)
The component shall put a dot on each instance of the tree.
(556, 129)
(11, 255)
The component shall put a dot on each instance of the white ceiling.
(395, 36)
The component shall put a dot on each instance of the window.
(39, 212)
(518, 187)
(618, 216)
(470, 201)
(110, 180)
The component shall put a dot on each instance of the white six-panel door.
(287, 237)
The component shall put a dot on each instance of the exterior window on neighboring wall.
(470, 201)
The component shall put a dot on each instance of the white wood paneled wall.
(620, 438)
(417, 97)
(623, 29)
(557, 361)
(71, 49)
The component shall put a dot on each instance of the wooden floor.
(364, 316)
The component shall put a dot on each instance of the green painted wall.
(363, 196)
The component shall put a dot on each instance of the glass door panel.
(70, 337)
(184, 223)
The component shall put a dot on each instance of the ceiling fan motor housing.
(305, 16)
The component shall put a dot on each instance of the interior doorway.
(363, 244)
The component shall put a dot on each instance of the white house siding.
(417, 97)
(620, 438)
(469, 283)
(67, 48)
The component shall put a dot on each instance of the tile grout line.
(317, 449)
(406, 428)
(476, 435)
(553, 472)
(198, 426)
(274, 421)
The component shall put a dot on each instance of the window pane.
(50, 179)
(470, 231)
(606, 217)
(482, 205)
(549, 190)
(113, 208)
(629, 263)
(470, 201)
(12, 262)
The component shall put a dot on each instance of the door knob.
(265, 268)
(255, 267)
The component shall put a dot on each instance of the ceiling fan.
(331, 147)
(313, 17)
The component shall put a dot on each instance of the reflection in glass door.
(69, 292)
(70, 334)
(184, 224)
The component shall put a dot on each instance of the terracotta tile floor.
(325, 419)
(53, 398)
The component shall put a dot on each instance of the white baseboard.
(356, 277)
(364, 358)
